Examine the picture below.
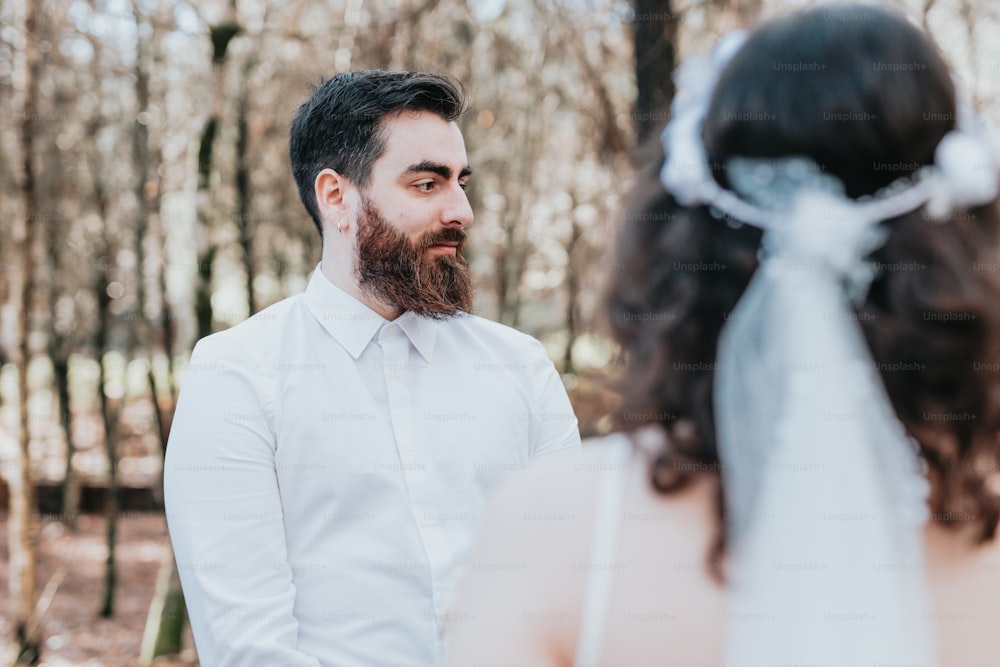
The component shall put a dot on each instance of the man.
(330, 457)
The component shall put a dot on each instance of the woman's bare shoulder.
(546, 514)
(521, 594)
(567, 482)
(562, 480)
(525, 582)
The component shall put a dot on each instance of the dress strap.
(600, 567)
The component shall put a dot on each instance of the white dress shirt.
(327, 470)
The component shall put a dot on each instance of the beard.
(400, 272)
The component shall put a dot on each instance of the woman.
(809, 469)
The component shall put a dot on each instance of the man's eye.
(464, 185)
(426, 187)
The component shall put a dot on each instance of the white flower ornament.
(964, 174)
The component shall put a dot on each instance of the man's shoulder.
(258, 332)
(499, 334)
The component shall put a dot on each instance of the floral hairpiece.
(964, 173)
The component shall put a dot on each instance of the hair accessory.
(964, 173)
(825, 493)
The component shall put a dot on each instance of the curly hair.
(932, 314)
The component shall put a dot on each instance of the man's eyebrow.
(442, 170)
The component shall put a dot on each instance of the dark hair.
(874, 103)
(339, 126)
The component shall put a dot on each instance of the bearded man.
(330, 457)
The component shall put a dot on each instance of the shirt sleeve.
(224, 512)
(555, 424)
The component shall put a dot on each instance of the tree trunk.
(22, 523)
(167, 616)
(221, 35)
(516, 250)
(572, 294)
(167, 332)
(71, 482)
(244, 191)
(141, 343)
(59, 347)
(654, 34)
(164, 416)
(109, 414)
(110, 418)
(206, 247)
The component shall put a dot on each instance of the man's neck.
(341, 274)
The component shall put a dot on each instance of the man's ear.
(331, 189)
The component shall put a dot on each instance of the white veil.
(825, 494)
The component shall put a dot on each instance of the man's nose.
(458, 211)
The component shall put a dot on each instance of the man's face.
(412, 217)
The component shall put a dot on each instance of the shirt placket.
(414, 460)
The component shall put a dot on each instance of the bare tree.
(59, 351)
(244, 189)
(146, 186)
(511, 258)
(110, 407)
(167, 615)
(221, 34)
(24, 504)
(53, 315)
(655, 28)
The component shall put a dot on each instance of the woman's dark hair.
(868, 97)
(339, 126)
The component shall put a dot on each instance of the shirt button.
(390, 331)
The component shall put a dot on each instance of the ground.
(73, 632)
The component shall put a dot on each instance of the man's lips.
(445, 247)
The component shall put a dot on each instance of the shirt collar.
(422, 332)
(353, 324)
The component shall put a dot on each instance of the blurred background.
(146, 201)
